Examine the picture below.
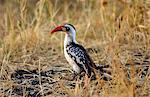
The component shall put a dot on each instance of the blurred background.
(25, 24)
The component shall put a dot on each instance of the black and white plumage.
(75, 53)
(78, 54)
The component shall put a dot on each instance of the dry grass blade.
(32, 62)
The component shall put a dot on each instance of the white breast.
(75, 67)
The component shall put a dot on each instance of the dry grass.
(119, 29)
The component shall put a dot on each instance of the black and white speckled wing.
(80, 57)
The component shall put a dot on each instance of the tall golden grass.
(117, 27)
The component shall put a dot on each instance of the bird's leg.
(94, 76)
(81, 75)
(74, 76)
(71, 76)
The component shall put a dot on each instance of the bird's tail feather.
(104, 71)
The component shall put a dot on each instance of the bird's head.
(68, 28)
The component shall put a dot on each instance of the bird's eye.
(67, 28)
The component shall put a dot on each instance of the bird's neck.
(69, 39)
